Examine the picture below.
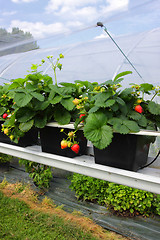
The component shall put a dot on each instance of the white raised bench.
(146, 179)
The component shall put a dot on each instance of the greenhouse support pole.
(100, 24)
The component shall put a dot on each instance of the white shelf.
(71, 126)
(146, 179)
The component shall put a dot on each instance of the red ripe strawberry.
(5, 115)
(138, 109)
(64, 144)
(75, 148)
(81, 115)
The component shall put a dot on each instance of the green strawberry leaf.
(20, 81)
(101, 99)
(31, 87)
(131, 125)
(121, 75)
(122, 129)
(120, 101)
(142, 121)
(51, 95)
(37, 96)
(22, 99)
(56, 99)
(25, 127)
(93, 109)
(24, 114)
(154, 108)
(40, 105)
(97, 131)
(40, 121)
(126, 92)
(118, 126)
(146, 87)
(109, 103)
(115, 107)
(106, 134)
(115, 120)
(134, 115)
(65, 84)
(68, 103)
(62, 116)
(14, 85)
(108, 82)
(2, 110)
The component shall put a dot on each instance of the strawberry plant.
(6, 102)
(36, 101)
(31, 105)
(109, 109)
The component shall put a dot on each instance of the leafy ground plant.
(5, 158)
(122, 199)
(89, 188)
(130, 200)
(41, 174)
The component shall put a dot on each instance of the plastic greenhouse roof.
(97, 60)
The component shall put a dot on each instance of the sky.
(52, 22)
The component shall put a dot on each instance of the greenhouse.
(82, 93)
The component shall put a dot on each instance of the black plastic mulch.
(137, 228)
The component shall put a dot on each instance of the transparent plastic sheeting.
(97, 60)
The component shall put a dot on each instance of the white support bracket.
(85, 165)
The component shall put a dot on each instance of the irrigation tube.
(105, 29)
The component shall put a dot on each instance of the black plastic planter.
(129, 152)
(30, 138)
(51, 138)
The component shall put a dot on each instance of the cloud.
(8, 13)
(38, 29)
(116, 5)
(103, 35)
(71, 24)
(55, 5)
(69, 15)
(84, 10)
(23, 1)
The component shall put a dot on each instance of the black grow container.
(29, 139)
(51, 137)
(126, 151)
